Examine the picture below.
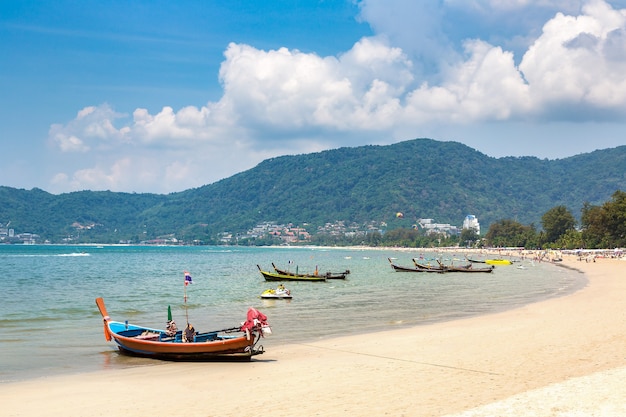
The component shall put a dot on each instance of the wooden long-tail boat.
(452, 268)
(227, 344)
(476, 261)
(438, 267)
(399, 268)
(465, 268)
(275, 276)
(328, 274)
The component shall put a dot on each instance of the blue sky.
(162, 96)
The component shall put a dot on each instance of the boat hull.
(276, 297)
(159, 347)
(441, 269)
(276, 294)
(236, 343)
(470, 270)
(399, 268)
(327, 275)
(274, 276)
(497, 262)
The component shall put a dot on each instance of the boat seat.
(205, 337)
(165, 338)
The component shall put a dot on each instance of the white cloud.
(92, 128)
(486, 86)
(69, 143)
(286, 101)
(573, 61)
(565, 6)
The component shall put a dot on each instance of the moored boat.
(328, 274)
(400, 268)
(238, 342)
(439, 267)
(476, 261)
(275, 276)
(465, 268)
(279, 293)
(498, 262)
(468, 269)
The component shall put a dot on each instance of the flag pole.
(187, 281)
(186, 310)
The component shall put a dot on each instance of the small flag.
(188, 278)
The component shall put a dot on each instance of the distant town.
(283, 233)
(8, 235)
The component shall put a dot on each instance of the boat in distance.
(399, 268)
(498, 262)
(465, 268)
(280, 293)
(328, 275)
(236, 343)
(441, 268)
(275, 276)
(469, 270)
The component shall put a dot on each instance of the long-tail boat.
(275, 276)
(328, 274)
(399, 268)
(238, 342)
(440, 267)
(465, 268)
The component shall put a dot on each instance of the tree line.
(601, 227)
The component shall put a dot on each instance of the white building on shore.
(471, 222)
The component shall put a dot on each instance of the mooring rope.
(401, 360)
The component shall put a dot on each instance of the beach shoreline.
(533, 360)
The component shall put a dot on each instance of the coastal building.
(471, 222)
(430, 227)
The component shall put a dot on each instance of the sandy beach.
(561, 357)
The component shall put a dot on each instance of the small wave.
(74, 254)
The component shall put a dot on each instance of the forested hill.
(421, 178)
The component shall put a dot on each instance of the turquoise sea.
(49, 323)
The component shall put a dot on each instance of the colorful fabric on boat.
(255, 319)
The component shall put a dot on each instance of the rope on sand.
(402, 360)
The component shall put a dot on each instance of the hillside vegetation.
(421, 178)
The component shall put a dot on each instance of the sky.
(163, 96)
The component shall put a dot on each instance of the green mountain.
(420, 178)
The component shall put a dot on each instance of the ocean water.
(49, 323)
